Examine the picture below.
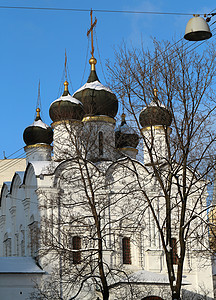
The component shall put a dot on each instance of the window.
(7, 245)
(126, 250)
(33, 230)
(100, 143)
(174, 251)
(17, 243)
(76, 245)
(22, 242)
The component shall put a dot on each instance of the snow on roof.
(8, 184)
(39, 123)
(95, 85)
(21, 174)
(67, 98)
(43, 167)
(154, 103)
(148, 277)
(19, 265)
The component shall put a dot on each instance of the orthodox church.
(75, 224)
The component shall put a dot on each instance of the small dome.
(126, 136)
(38, 132)
(95, 97)
(66, 107)
(155, 114)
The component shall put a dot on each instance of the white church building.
(76, 221)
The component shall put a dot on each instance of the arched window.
(7, 245)
(22, 241)
(33, 230)
(126, 252)
(76, 245)
(100, 143)
(174, 251)
(17, 243)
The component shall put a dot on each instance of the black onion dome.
(96, 98)
(125, 136)
(38, 132)
(66, 107)
(155, 114)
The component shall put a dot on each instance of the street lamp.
(197, 29)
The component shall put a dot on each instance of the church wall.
(17, 286)
(116, 187)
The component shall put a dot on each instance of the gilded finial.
(66, 86)
(155, 92)
(92, 62)
(38, 112)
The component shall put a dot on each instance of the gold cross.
(91, 31)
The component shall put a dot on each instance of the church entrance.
(152, 298)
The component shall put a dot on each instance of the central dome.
(95, 97)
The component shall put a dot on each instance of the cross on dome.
(92, 60)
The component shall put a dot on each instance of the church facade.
(80, 224)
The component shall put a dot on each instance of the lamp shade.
(197, 29)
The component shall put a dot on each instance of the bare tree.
(84, 217)
(95, 212)
(181, 81)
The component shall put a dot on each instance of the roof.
(39, 123)
(11, 265)
(95, 85)
(67, 98)
(147, 277)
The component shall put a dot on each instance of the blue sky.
(33, 44)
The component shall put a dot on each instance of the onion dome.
(38, 132)
(155, 114)
(66, 107)
(125, 136)
(96, 98)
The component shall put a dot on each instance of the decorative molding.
(12, 210)
(127, 148)
(38, 146)
(2, 220)
(99, 119)
(26, 203)
(156, 127)
(64, 122)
